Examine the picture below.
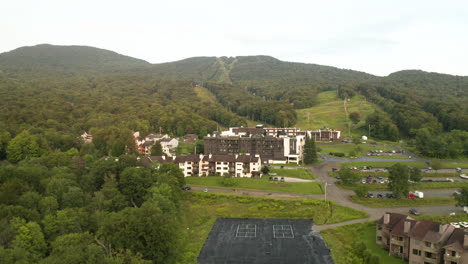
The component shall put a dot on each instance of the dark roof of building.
(152, 136)
(431, 231)
(147, 143)
(399, 229)
(185, 158)
(253, 241)
(196, 158)
(456, 240)
(166, 139)
(394, 219)
(248, 130)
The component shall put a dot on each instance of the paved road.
(340, 196)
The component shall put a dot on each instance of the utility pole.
(326, 191)
(368, 134)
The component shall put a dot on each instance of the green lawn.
(262, 184)
(295, 173)
(385, 174)
(383, 164)
(185, 148)
(383, 202)
(329, 112)
(202, 209)
(347, 147)
(287, 165)
(414, 186)
(461, 217)
(453, 165)
(341, 240)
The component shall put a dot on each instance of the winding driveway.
(338, 195)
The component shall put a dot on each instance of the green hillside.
(63, 58)
(330, 112)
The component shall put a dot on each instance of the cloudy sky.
(377, 37)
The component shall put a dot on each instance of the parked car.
(414, 211)
(370, 195)
(379, 195)
(282, 179)
(455, 224)
(464, 224)
(334, 169)
(205, 190)
(275, 178)
(186, 188)
(389, 195)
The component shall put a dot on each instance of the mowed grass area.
(347, 147)
(461, 217)
(262, 184)
(384, 164)
(329, 112)
(294, 173)
(403, 202)
(205, 94)
(413, 186)
(385, 174)
(342, 239)
(202, 209)
(421, 165)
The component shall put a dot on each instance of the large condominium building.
(273, 145)
(208, 165)
(422, 242)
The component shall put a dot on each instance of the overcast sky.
(378, 37)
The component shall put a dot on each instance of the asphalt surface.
(341, 196)
(259, 241)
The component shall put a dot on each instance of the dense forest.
(64, 201)
(429, 108)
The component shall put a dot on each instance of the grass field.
(421, 165)
(205, 95)
(379, 202)
(202, 209)
(383, 164)
(262, 184)
(415, 186)
(341, 239)
(347, 147)
(295, 173)
(443, 218)
(329, 112)
(385, 174)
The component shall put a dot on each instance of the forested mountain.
(430, 107)
(69, 89)
(264, 76)
(66, 58)
(66, 201)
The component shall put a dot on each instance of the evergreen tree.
(310, 152)
(156, 149)
(398, 180)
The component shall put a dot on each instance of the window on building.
(428, 254)
(416, 252)
(454, 253)
(379, 238)
(379, 227)
(428, 244)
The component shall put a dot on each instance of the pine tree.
(156, 149)
(310, 152)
